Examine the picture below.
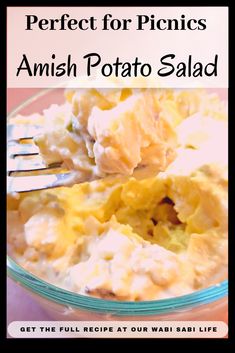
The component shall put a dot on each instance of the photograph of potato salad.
(146, 214)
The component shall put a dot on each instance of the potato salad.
(122, 234)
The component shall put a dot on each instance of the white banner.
(117, 329)
(137, 46)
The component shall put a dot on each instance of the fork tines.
(24, 157)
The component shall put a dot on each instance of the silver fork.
(17, 165)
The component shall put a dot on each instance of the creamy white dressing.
(111, 261)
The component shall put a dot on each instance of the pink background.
(20, 306)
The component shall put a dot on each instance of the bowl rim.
(122, 308)
(128, 308)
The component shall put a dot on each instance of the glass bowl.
(206, 304)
